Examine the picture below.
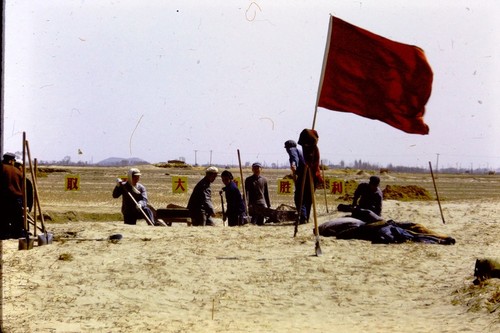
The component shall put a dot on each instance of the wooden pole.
(35, 197)
(324, 185)
(437, 194)
(25, 210)
(36, 201)
(223, 211)
(146, 217)
(322, 76)
(35, 189)
(242, 186)
(316, 230)
(301, 201)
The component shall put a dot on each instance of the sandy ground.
(256, 279)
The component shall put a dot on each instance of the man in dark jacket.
(11, 197)
(370, 200)
(235, 211)
(201, 208)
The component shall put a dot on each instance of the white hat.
(133, 172)
(212, 169)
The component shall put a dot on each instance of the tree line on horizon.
(356, 165)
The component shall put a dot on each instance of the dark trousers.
(305, 209)
(257, 214)
(201, 218)
(131, 217)
(235, 220)
(12, 221)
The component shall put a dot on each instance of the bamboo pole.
(437, 194)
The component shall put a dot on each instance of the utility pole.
(210, 158)
(195, 160)
(437, 163)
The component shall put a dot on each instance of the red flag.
(376, 78)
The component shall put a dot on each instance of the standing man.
(235, 211)
(302, 198)
(294, 157)
(11, 197)
(200, 206)
(370, 201)
(130, 210)
(257, 194)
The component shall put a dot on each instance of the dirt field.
(94, 202)
(251, 279)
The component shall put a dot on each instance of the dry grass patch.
(483, 297)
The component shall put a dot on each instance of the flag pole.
(322, 76)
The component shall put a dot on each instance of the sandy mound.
(408, 192)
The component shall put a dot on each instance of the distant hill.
(119, 161)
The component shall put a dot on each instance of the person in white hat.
(131, 210)
(201, 208)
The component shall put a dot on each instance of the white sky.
(161, 79)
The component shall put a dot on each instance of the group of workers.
(304, 165)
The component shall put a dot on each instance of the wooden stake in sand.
(437, 194)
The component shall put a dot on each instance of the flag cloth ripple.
(376, 78)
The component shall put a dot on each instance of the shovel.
(142, 210)
(46, 237)
(26, 243)
(317, 247)
(115, 238)
(223, 212)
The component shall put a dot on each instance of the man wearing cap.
(301, 198)
(130, 210)
(11, 197)
(294, 157)
(200, 206)
(257, 194)
(370, 200)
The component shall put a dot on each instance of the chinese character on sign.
(179, 184)
(72, 183)
(237, 181)
(337, 186)
(285, 186)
